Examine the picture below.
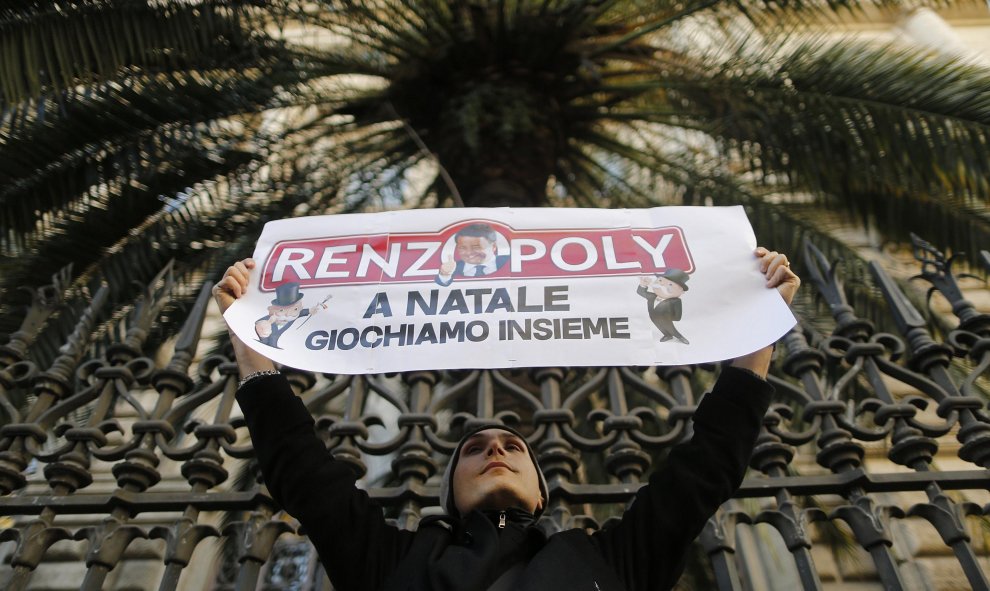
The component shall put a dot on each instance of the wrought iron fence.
(872, 465)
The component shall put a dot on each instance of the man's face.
(474, 249)
(666, 289)
(283, 314)
(494, 471)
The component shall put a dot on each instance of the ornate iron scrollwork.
(125, 436)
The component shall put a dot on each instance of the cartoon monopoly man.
(663, 301)
(286, 308)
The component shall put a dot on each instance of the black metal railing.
(876, 444)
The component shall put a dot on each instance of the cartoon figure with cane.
(286, 308)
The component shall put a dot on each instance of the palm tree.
(135, 132)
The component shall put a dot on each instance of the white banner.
(498, 288)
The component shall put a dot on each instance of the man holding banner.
(493, 490)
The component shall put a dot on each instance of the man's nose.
(495, 449)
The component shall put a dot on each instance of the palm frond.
(53, 47)
(120, 132)
(850, 117)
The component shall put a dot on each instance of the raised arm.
(647, 547)
(357, 547)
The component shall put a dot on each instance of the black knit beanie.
(447, 484)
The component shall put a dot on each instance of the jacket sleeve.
(647, 547)
(357, 547)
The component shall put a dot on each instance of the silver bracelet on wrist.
(255, 375)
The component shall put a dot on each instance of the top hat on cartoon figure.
(287, 294)
(677, 276)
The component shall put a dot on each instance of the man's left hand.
(777, 270)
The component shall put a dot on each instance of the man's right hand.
(233, 284)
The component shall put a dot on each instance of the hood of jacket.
(447, 483)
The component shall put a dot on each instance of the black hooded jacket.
(645, 551)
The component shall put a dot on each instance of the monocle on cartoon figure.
(662, 287)
(278, 315)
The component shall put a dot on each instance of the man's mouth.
(494, 465)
